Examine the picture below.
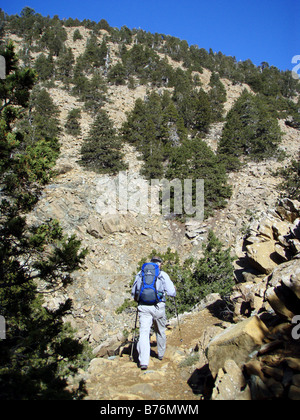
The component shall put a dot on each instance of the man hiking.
(150, 289)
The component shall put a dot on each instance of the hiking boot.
(143, 367)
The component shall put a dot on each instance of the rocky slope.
(256, 356)
(117, 241)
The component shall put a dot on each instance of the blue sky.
(262, 30)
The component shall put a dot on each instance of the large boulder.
(248, 297)
(110, 346)
(231, 384)
(261, 256)
(283, 293)
(236, 343)
(275, 239)
(95, 228)
(288, 209)
(115, 223)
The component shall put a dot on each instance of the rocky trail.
(174, 378)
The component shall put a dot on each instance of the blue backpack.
(148, 292)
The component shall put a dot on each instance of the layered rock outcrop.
(259, 356)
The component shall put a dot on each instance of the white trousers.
(149, 315)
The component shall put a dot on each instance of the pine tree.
(14, 90)
(72, 124)
(101, 151)
(117, 74)
(94, 55)
(64, 66)
(195, 160)
(80, 81)
(154, 127)
(173, 126)
(39, 350)
(202, 112)
(95, 94)
(133, 127)
(193, 106)
(152, 153)
(214, 272)
(44, 67)
(217, 96)
(39, 131)
(54, 37)
(250, 130)
(77, 35)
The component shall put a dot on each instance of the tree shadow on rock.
(221, 309)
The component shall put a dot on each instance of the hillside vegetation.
(166, 126)
(82, 100)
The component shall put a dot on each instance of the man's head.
(157, 260)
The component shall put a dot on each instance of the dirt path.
(118, 378)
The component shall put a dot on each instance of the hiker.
(151, 310)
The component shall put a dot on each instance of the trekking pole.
(134, 334)
(176, 311)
